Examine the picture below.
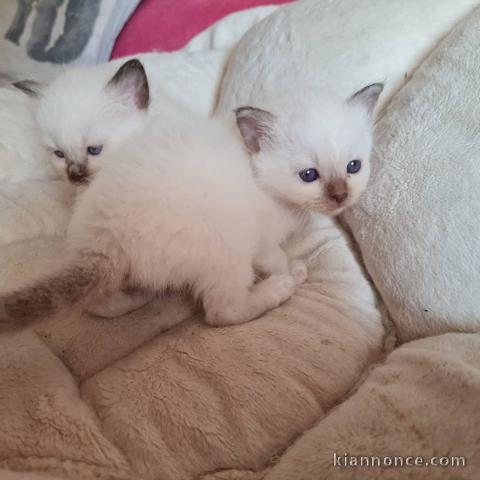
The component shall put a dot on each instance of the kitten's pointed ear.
(256, 127)
(29, 87)
(131, 84)
(367, 96)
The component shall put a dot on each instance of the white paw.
(281, 288)
(299, 271)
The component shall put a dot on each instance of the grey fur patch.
(19, 306)
(80, 283)
(131, 75)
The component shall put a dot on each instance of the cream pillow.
(418, 224)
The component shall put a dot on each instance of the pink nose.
(339, 197)
(337, 190)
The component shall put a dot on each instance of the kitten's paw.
(280, 288)
(120, 303)
(299, 271)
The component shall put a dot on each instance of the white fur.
(181, 208)
(72, 112)
(75, 111)
(315, 130)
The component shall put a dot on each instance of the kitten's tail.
(92, 276)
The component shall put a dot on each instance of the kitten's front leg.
(120, 303)
(274, 261)
(233, 300)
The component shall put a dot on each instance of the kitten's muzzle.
(78, 173)
(337, 190)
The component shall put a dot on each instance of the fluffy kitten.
(190, 212)
(83, 113)
(172, 208)
(314, 153)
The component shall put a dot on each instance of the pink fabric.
(168, 25)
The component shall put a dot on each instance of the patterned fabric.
(167, 25)
(63, 31)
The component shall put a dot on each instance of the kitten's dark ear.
(131, 84)
(367, 96)
(256, 127)
(29, 87)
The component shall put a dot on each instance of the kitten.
(314, 154)
(172, 208)
(188, 198)
(81, 114)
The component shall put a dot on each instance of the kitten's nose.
(76, 177)
(338, 191)
(339, 197)
(77, 173)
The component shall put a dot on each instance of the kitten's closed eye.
(59, 154)
(309, 175)
(95, 149)
(354, 166)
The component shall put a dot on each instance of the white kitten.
(180, 207)
(173, 208)
(71, 109)
(314, 154)
(83, 113)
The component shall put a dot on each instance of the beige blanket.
(89, 398)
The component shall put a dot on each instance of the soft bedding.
(158, 394)
(300, 45)
(167, 25)
(418, 228)
(115, 398)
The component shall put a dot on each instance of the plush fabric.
(417, 227)
(113, 398)
(167, 25)
(422, 402)
(225, 34)
(339, 46)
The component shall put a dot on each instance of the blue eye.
(59, 154)
(309, 175)
(95, 150)
(354, 166)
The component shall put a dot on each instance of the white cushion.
(418, 224)
(340, 46)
